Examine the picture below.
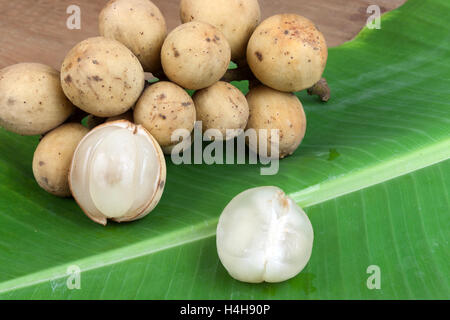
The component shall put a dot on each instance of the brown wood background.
(35, 30)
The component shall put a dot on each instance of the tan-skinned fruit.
(237, 19)
(275, 110)
(102, 77)
(53, 155)
(222, 107)
(163, 108)
(195, 55)
(32, 101)
(139, 25)
(287, 53)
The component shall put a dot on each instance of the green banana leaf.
(373, 175)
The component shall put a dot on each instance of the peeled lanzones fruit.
(139, 25)
(195, 55)
(237, 19)
(263, 235)
(118, 172)
(31, 99)
(287, 53)
(102, 77)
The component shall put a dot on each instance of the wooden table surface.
(35, 30)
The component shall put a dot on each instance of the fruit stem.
(321, 89)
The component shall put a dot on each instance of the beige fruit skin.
(163, 108)
(286, 52)
(52, 158)
(272, 109)
(195, 55)
(102, 77)
(237, 19)
(31, 99)
(222, 106)
(139, 25)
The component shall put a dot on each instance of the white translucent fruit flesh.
(118, 172)
(263, 235)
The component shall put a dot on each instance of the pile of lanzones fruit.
(114, 166)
